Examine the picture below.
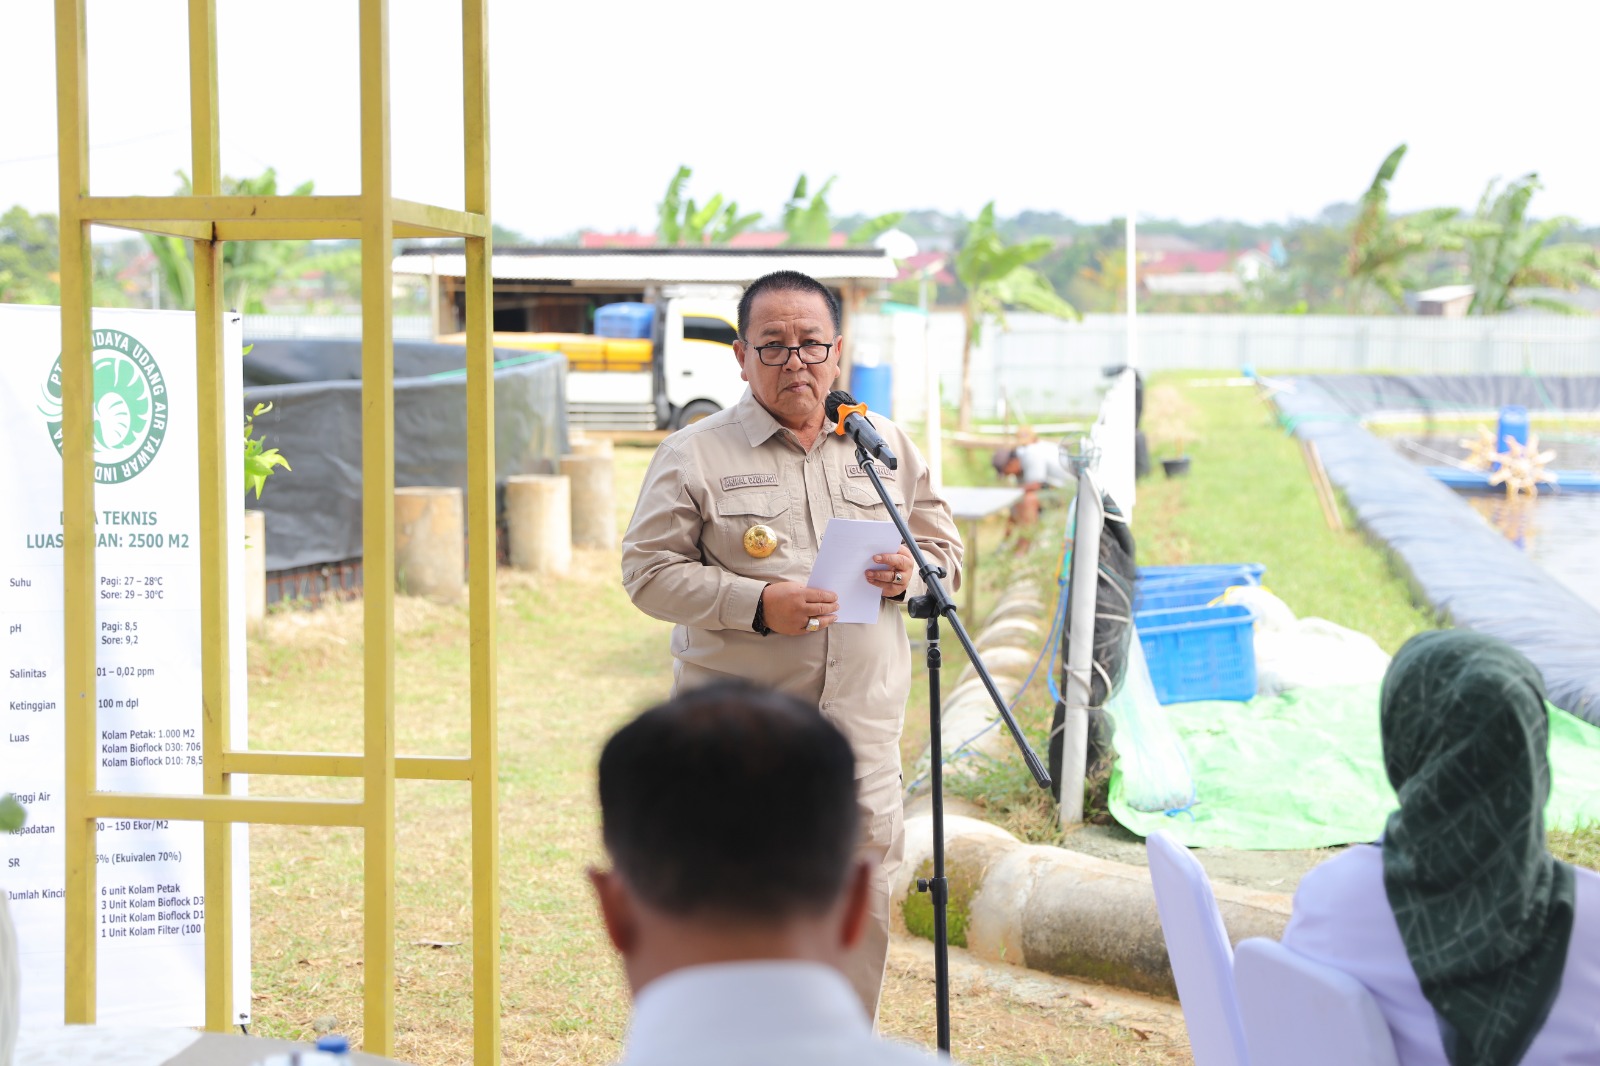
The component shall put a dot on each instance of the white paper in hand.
(848, 545)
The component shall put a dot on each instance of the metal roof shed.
(555, 289)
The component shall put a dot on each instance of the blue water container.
(624, 321)
(873, 386)
(1513, 424)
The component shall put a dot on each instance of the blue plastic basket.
(1165, 587)
(1200, 653)
(1167, 598)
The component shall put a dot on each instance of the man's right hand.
(788, 605)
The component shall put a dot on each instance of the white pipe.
(935, 450)
(1080, 646)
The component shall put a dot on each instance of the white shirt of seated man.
(715, 990)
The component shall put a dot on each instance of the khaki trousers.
(883, 845)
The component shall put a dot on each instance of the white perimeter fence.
(1042, 366)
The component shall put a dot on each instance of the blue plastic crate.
(1200, 653)
(1227, 573)
(625, 321)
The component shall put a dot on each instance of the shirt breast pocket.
(735, 535)
(861, 501)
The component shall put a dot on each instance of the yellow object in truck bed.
(584, 351)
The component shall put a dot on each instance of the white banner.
(150, 892)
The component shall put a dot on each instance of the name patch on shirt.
(745, 481)
(854, 470)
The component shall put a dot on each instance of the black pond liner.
(1454, 560)
(313, 511)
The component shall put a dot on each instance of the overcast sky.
(1171, 108)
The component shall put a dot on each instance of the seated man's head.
(1006, 462)
(729, 814)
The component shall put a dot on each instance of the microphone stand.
(933, 605)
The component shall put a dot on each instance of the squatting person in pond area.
(723, 537)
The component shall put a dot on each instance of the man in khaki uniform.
(728, 522)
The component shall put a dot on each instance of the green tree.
(30, 262)
(1382, 245)
(808, 220)
(683, 222)
(29, 258)
(249, 268)
(1510, 251)
(996, 276)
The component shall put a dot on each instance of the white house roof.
(737, 266)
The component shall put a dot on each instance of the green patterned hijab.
(1484, 910)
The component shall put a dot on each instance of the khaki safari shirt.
(684, 561)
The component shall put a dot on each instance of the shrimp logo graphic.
(130, 406)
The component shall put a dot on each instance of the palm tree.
(996, 275)
(1512, 252)
(1381, 245)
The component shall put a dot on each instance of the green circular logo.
(130, 406)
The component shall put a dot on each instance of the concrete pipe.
(255, 570)
(430, 542)
(1018, 608)
(1012, 633)
(594, 508)
(539, 523)
(1002, 661)
(1061, 911)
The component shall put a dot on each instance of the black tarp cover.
(314, 510)
(1465, 569)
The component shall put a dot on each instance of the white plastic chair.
(1301, 1013)
(1201, 956)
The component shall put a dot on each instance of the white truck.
(681, 371)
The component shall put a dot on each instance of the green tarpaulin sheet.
(1305, 770)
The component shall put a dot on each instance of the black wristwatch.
(760, 622)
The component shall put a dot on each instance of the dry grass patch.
(576, 660)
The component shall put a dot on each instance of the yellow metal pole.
(77, 507)
(214, 418)
(377, 516)
(481, 547)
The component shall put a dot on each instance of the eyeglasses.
(778, 354)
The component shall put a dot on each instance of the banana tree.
(808, 220)
(1514, 252)
(1382, 245)
(682, 221)
(249, 268)
(996, 276)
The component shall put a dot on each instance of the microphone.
(851, 418)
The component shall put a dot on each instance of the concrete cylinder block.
(255, 570)
(430, 542)
(584, 445)
(594, 508)
(539, 522)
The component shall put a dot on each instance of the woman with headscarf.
(1479, 946)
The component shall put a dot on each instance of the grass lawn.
(1247, 498)
(576, 660)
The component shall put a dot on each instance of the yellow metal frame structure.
(208, 218)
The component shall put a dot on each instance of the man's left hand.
(893, 580)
